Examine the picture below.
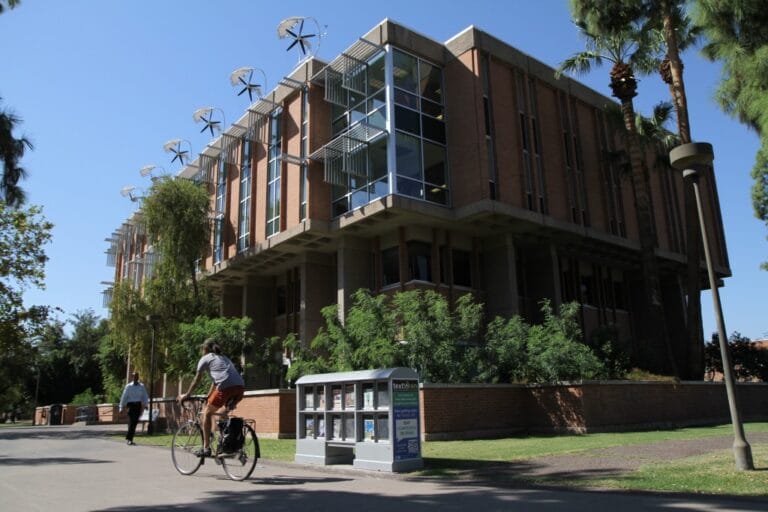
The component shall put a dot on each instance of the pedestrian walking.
(135, 398)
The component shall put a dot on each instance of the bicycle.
(188, 439)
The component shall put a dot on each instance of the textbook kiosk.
(369, 418)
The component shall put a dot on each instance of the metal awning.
(347, 154)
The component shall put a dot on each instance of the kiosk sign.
(405, 405)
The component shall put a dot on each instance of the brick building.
(404, 163)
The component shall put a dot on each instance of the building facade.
(462, 167)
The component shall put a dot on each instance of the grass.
(19, 423)
(522, 448)
(712, 473)
(272, 449)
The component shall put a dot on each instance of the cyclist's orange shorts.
(219, 397)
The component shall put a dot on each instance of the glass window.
(280, 300)
(434, 164)
(436, 194)
(377, 159)
(433, 129)
(408, 156)
(244, 212)
(432, 109)
(462, 268)
(420, 261)
(376, 74)
(411, 188)
(405, 71)
(407, 120)
(409, 100)
(430, 82)
(390, 266)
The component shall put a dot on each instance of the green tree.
(24, 233)
(416, 329)
(629, 46)
(176, 215)
(12, 150)
(737, 36)
(234, 335)
(555, 352)
(749, 362)
(113, 363)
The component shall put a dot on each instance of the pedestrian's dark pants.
(134, 411)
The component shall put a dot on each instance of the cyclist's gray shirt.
(221, 370)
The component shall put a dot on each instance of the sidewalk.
(77, 468)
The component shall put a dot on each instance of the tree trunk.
(693, 367)
(654, 327)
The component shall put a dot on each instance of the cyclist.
(227, 386)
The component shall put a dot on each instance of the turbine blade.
(292, 44)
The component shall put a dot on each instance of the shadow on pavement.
(532, 500)
(60, 432)
(13, 461)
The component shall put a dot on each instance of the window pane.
(376, 74)
(405, 71)
(339, 125)
(433, 109)
(409, 100)
(377, 154)
(410, 188)
(379, 189)
(436, 194)
(377, 101)
(408, 120)
(341, 206)
(378, 119)
(462, 274)
(433, 129)
(430, 82)
(390, 266)
(434, 163)
(408, 156)
(360, 198)
(420, 261)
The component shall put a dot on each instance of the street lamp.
(689, 158)
(153, 320)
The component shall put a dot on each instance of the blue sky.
(101, 86)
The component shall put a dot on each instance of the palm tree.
(11, 152)
(677, 34)
(11, 4)
(626, 47)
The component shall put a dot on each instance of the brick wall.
(467, 411)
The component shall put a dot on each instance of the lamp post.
(689, 158)
(153, 321)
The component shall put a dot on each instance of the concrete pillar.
(231, 304)
(353, 263)
(318, 278)
(500, 276)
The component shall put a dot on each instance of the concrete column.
(353, 263)
(231, 301)
(500, 276)
(317, 291)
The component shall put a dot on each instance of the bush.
(86, 398)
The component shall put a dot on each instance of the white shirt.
(133, 393)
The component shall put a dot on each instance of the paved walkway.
(78, 468)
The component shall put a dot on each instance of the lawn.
(713, 473)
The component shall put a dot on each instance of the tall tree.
(11, 151)
(628, 46)
(737, 36)
(176, 214)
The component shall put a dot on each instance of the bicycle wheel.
(187, 438)
(240, 464)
